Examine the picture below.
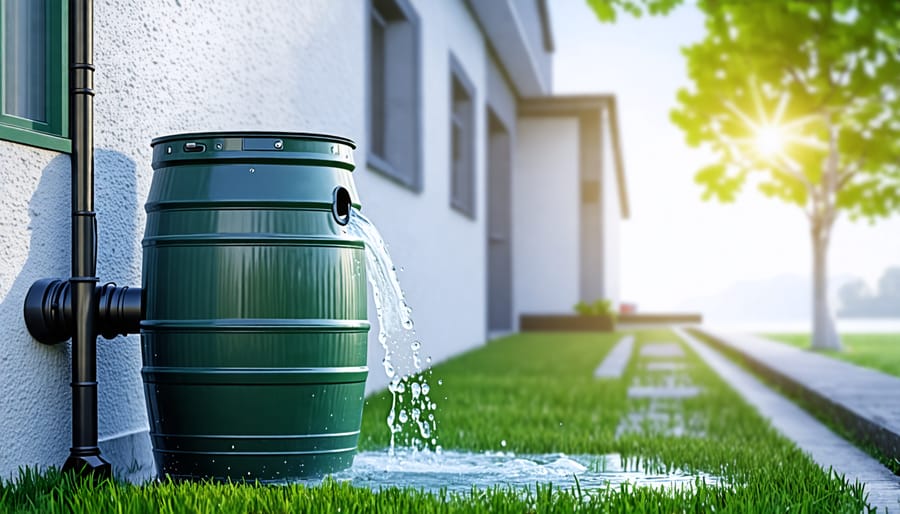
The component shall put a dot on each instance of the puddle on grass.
(414, 459)
(462, 471)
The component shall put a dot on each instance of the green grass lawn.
(536, 392)
(876, 351)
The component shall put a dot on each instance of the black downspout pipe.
(56, 310)
(85, 454)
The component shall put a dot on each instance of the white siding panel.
(545, 216)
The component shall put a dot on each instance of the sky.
(675, 246)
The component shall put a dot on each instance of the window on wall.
(394, 104)
(33, 75)
(462, 141)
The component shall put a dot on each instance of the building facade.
(490, 193)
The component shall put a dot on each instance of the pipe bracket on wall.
(50, 320)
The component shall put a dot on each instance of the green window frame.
(52, 132)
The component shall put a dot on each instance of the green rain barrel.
(254, 338)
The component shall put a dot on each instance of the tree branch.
(844, 179)
(830, 178)
(798, 79)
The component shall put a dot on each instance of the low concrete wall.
(661, 318)
(566, 323)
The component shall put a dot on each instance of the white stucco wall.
(168, 66)
(163, 66)
(545, 216)
(612, 221)
(441, 251)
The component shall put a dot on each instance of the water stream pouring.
(411, 419)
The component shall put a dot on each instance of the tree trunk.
(824, 335)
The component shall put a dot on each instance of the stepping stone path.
(672, 353)
(665, 387)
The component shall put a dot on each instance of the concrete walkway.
(825, 447)
(862, 401)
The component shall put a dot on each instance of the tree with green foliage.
(802, 100)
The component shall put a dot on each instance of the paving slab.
(676, 392)
(666, 350)
(613, 366)
(670, 380)
(652, 421)
(825, 447)
(665, 366)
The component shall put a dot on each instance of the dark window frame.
(405, 170)
(53, 133)
(462, 143)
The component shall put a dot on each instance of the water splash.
(397, 335)
(461, 471)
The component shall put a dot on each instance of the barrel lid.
(308, 136)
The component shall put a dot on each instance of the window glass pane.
(377, 85)
(25, 59)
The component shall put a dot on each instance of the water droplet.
(416, 390)
(440, 382)
(415, 346)
(503, 443)
(403, 416)
(425, 388)
(416, 414)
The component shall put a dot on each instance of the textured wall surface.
(546, 248)
(167, 66)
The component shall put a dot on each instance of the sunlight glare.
(769, 140)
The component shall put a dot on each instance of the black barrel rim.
(310, 136)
